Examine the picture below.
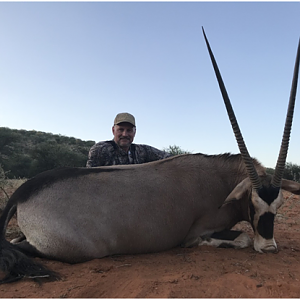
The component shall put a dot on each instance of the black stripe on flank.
(228, 235)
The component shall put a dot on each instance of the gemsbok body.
(78, 214)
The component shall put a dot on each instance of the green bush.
(23, 154)
(175, 150)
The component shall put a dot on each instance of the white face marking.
(262, 245)
(277, 202)
(261, 207)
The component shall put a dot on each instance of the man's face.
(123, 135)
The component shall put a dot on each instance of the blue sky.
(69, 68)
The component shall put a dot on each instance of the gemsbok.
(78, 214)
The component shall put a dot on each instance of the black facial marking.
(265, 226)
(268, 193)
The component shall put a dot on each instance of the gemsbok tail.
(14, 263)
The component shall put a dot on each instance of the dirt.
(201, 272)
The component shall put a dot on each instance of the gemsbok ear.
(290, 186)
(238, 192)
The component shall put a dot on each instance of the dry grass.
(7, 188)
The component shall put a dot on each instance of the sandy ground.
(180, 273)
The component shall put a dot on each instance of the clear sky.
(69, 68)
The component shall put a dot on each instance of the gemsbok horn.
(276, 180)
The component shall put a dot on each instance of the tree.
(292, 172)
(7, 136)
(23, 154)
(49, 156)
(176, 150)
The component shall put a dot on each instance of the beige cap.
(124, 117)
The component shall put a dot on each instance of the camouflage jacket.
(109, 153)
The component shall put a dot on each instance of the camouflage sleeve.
(156, 154)
(92, 157)
(98, 155)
